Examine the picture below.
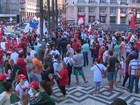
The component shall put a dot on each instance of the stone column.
(97, 13)
(86, 15)
(75, 14)
(118, 16)
(108, 16)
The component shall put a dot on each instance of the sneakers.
(63, 98)
(109, 89)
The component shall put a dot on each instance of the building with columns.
(106, 11)
(29, 8)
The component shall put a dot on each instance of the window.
(113, 10)
(138, 1)
(92, 1)
(102, 1)
(103, 10)
(81, 1)
(92, 10)
(103, 19)
(112, 19)
(123, 10)
(123, 20)
(113, 1)
(81, 9)
(91, 19)
(123, 1)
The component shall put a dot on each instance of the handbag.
(137, 72)
(102, 72)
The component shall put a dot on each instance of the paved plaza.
(82, 94)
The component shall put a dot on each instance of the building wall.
(106, 11)
(9, 7)
(29, 8)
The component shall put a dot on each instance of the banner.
(80, 21)
(0, 33)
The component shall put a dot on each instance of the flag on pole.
(80, 21)
(89, 28)
(0, 33)
(132, 22)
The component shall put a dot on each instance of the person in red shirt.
(23, 45)
(63, 79)
(75, 45)
(101, 52)
(96, 49)
(1, 60)
(21, 62)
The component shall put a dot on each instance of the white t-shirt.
(54, 52)
(14, 56)
(32, 52)
(100, 40)
(19, 87)
(105, 55)
(133, 66)
(97, 75)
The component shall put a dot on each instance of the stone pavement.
(82, 94)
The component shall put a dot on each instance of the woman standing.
(68, 60)
(63, 79)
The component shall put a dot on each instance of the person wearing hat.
(22, 86)
(97, 69)
(2, 82)
(37, 97)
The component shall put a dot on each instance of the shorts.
(77, 72)
(115, 74)
(110, 76)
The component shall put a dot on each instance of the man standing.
(85, 49)
(111, 69)
(78, 63)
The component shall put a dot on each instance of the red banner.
(0, 33)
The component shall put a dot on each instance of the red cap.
(34, 85)
(21, 76)
(3, 77)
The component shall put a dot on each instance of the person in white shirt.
(32, 52)
(105, 55)
(14, 56)
(56, 66)
(97, 69)
(22, 86)
(54, 52)
(100, 40)
(70, 50)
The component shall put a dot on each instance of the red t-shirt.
(75, 45)
(64, 80)
(21, 63)
(96, 49)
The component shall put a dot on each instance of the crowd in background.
(32, 66)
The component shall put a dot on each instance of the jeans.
(125, 79)
(85, 56)
(63, 90)
(132, 79)
(94, 57)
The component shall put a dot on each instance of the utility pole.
(53, 16)
(49, 23)
(41, 19)
(56, 13)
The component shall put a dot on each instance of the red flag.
(0, 33)
(132, 22)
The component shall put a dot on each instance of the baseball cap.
(21, 76)
(34, 85)
(3, 77)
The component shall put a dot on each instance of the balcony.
(113, 3)
(92, 2)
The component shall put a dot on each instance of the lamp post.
(48, 3)
(41, 19)
(53, 15)
(56, 13)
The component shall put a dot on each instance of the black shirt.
(112, 63)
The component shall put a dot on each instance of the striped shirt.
(133, 65)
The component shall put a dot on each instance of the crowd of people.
(31, 66)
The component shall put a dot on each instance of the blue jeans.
(132, 79)
(85, 56)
